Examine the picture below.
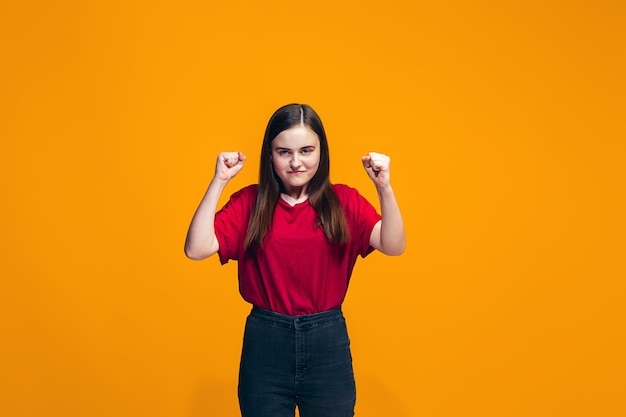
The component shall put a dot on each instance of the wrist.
(384, 188)
(218, 183)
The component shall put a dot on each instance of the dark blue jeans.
(301, 361)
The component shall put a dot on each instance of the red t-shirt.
(297, 271)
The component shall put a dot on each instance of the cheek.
(279, 166)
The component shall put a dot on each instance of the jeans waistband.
(303, 321)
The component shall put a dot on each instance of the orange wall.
(505, 123)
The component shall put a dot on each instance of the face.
(296, 157)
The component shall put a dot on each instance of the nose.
(295, 161)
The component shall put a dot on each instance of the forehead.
(295, 138)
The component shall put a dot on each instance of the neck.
(297, 193)
(292, 200)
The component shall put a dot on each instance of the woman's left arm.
(388, 235)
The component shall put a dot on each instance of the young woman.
(296, 238)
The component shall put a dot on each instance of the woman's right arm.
(201, 241)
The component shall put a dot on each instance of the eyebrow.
(281, 148)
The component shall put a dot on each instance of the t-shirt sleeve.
(231, 223)
(361, 216)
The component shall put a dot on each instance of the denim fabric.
(301, 361)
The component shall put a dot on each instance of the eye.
(307, 151)
(283, 152)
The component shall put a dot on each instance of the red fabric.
(298, 271)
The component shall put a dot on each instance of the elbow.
(192, 255)
(196, 255)
(397, 251)
(397, 248)
(198, 250)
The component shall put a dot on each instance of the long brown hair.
(321, 194)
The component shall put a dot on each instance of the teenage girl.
(296, 238)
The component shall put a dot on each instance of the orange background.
(505, 124)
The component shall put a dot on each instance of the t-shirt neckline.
(291, 202)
